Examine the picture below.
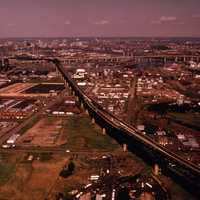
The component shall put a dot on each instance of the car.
(6, 146)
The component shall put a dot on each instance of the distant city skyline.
(105, 18)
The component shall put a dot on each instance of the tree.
(68, 171)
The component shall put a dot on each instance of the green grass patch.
(82, 135)
(6, 170)
(7, 167)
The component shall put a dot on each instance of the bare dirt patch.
(47, 132)
(33, 181)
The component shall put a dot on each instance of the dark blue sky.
(52, 18)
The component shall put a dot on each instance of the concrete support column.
(93, 121)
(156, 170)
(184, 59)
(77, 99)
(165, 60)
(82, 105)
(176, 59)
(86, 111)
(56, 72)
(73, 93)
(104, 131)
(124, 147)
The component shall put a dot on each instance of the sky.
(106, 18)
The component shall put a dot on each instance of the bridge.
(185, 172)
(133, 58)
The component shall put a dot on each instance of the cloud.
(196, 16)
(67, 22)
(167, 19)
(156, 22)
(178, 23)
(11, 25)
(102, 22)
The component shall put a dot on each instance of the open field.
(46, 132)
(83, 135)
(7, 167)
(39, 178)
(16, 88)
(30, 89)
(32, 180)
(76, 133)
(45, 88)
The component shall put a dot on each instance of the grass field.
(83, 135)
(7, 167)
(6, 170)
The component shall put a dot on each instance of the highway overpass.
(164, 58)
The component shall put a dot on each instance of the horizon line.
(32, 37)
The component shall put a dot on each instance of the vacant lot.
(46, 132)
(30, 90)
(16, 88)
(32, 180)
(45, 88)
(8, 165)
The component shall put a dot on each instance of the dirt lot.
(17, 88)
(47, 132)
(32, 181)
(45, 88)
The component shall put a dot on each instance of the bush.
(68, 171)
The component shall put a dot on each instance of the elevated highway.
(133, 58)
(126, 134)
(122, 59)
